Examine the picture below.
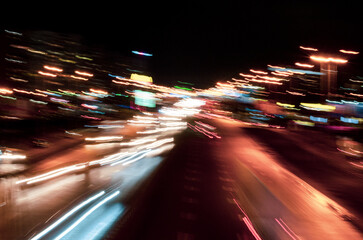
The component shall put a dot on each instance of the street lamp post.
(328, 68)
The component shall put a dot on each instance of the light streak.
(28, 92)
(328, 59)
(98, 91)
(207, 132)
(138, 141)
(205, 125)
(59, 100)
(309, 48)
(258, 72)
(12, 156)
(346, 152)
(79, 78)
(174, 124)
(169, 119)
(89, 106)
(89, 117)
(108, 159)
(67, 215)
(357, 165)
(52, 174)
(55, 69)
(160, 150)
(318, 107)
(142, 53)
(248, 222)
(47, 74)
(295, 93)
(348, 51)
(247, 75)
(272, 66)
(84, 73)
(145, 118)
(157, 130)
(105, 138)
(304, 65)
(285, 229)
(84, 216)
(251, 228)
(189, 103)
(282, 74)
(157, 143)
(264, 81)
(135, 157)
(6, 91)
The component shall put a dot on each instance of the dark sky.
(204, 42)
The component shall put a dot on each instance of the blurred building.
(51, 72)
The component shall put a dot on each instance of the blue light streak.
(142, 53)
(295, 70)
(84, 216)
(67, 215)
(318, 119)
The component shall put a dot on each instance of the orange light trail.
(79, 78)
(304, 65)
(84, 73)
(55, 69)
(47, 74)
(6, 91)
(247, 75)
(348, 51)
(309, 48)
(272, 66)
(258, 72)
(98, 91)
(328, 59)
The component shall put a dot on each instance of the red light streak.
(290, 233)
(248, 222)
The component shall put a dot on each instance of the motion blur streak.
(248, 222)
(105, 138)
(52, 174)
(328, 59)
(134, 157)
(68, 214)
(348, 51)
(287, 229)
(251, 228)
(309, 49)
(84, 216)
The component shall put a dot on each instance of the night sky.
(205, 42)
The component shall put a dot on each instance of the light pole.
(328, 68)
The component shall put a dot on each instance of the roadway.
(228, 182)
(244, 186)
(53, 187)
